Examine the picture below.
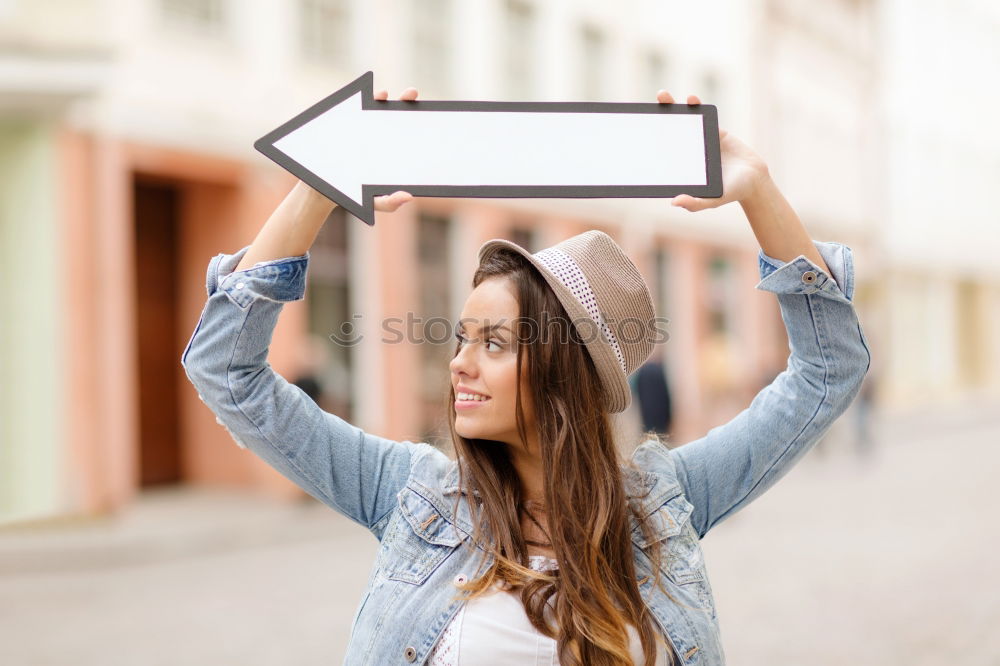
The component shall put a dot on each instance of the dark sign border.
(366, 211)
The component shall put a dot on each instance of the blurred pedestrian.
(653, 393)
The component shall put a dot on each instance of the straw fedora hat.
(606, 299)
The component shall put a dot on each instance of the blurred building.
(126, 133)
(938, 308)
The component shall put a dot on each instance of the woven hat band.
(569, 273)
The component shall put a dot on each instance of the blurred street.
(216, 577)
(133, 530)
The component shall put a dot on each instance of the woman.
(538, 544)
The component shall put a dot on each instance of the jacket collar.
(639, 485)
(650, 490)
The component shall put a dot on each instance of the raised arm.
(814, 282)
(292, 228)
(356, 473)
(735, 463)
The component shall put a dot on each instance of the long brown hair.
(588, 524)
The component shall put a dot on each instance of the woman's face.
(486, 363)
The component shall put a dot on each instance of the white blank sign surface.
(352, 147)
(348, 146)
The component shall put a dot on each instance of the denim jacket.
(404, 492)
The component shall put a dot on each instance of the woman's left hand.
(743, 170)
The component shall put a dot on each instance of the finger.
(382, 94)
(688, 202)
(723, 133)
(409, 94)
(393, 201)
(693, 99)
(663, 97)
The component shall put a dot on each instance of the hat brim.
(614, 380)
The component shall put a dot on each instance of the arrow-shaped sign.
(351, 147)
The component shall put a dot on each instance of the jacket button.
(410, 654)
(240, 285)
(809, 277)
(460, 578)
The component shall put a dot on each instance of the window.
(330, 320)
(436, 329)
(654, 75)
(720, 289)
(432, 45)
(525, 237)
(325, 31)
(202, 15)
(518, 56)
(592, 64)
(661, 281)
(972, 348)
(717, 350)
(710, 91)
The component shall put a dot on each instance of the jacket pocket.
(681, 557)
(420, 542)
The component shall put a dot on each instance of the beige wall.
(32, 469)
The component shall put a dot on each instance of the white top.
(494, 629)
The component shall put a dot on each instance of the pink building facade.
(140, 223)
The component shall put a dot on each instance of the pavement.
(882, 559)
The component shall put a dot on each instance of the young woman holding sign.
(539, 543)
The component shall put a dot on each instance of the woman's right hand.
(390, 203)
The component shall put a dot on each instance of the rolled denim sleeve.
(801, 276)
(735, 463)
(355, 473)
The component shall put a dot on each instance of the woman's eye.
(461, 339)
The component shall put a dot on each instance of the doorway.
(156, 209)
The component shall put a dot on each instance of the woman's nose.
(463, 361)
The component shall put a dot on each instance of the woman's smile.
(465, 400)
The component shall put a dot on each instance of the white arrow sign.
(351, 147)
